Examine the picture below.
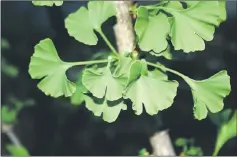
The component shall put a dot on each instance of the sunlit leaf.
(152, 91)
(45, 63)
(151, 31)
(109, 111)
(82, 23)
(47, 3)
(190, 27)
(209, 94)
(102, 84)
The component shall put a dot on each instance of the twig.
(8, 130)
(125, 40)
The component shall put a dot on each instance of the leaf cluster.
(105, 88)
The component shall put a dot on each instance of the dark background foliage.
(55, 127)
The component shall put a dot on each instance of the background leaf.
(17, 150)
(227, 131)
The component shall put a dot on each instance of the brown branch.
(125, 39)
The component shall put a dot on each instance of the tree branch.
(124, 29)
(125, 39)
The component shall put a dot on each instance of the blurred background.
(48, 126)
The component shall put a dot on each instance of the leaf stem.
(89, 62)
(107, 41)
(187, 79)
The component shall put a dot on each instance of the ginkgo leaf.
(146, 26)
(78, 97)
(209, 94)
(101, 107)
(123, 66)
(190, 27)
(45, 63)
(152, 91)
(166, 53)
(227, 131)
(104, 84)
(223, 15)
(83, 22)
(47, 3)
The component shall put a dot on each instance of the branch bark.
(125, 39)
(124, 29)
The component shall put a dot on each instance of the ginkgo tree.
(105, 84)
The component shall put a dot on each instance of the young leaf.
(83, 22)
(190, 27)
(161, 92)
(146, 26)
(104, 84)
(17, 150)
(45, 63)
(109, 110)
(78, 97)
(47, 3)
(227, 131)
(209, 94)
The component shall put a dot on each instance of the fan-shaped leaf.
(104, 84)
(83, 22)
(101, 107)
(45, 63)
(152, 91)
(47, 3)
(190, 27)
(209, 94)
(146, 26)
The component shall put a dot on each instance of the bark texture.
(124, 29)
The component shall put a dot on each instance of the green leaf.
(223, 15)
(47, 3)
(45, 63)
(17, 150)
(209, 94)
(101, 107)
(4, 44)
(194, 151)
(83, 22)
(78, 97)
(161, 91)
(8, 115)
(226, 132)
(143, 152)
(146, 26)
(190, 27)
(102, 84)
(123, 66)
(166, 53)
(181, 142)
